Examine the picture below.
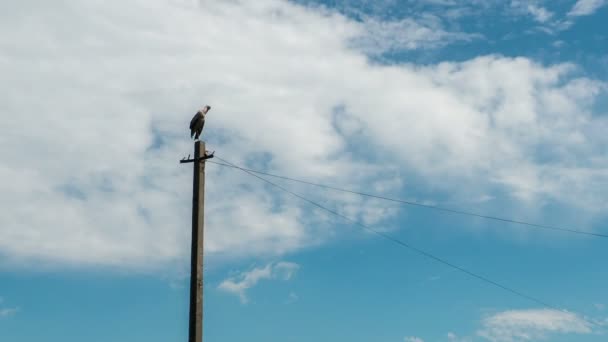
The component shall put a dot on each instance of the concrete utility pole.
(198, 219)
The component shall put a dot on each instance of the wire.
(406, 245)
(391, 238)
(410, 203)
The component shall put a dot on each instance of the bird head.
(206, 109)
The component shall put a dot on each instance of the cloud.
(539, 13)
(6, 312)
(239, 285)
(292, 298)
(108, 190)
(382, 36)
(586, 7)
(531, 325)
(548, 21)
(413, 339)
(95, 179)
(455, 338)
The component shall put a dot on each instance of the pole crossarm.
(205, 157)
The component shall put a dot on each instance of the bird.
(198, 122)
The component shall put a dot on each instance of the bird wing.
(195, 119)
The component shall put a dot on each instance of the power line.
(408, 246)
(411, 203)
(397, 241)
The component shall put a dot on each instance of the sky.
(492, 107)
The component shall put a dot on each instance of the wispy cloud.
(452, 337)
(239, 284)
(427, 32)
(586, 7)
(413, 339)
(5, 311)
(531, 325)
(292, 298)
(538, 12)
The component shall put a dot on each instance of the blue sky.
(493, 107)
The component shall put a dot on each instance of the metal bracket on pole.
(205, 157)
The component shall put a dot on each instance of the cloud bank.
(96, 104)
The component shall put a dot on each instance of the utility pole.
(198, 219)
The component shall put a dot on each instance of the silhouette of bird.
(198, 122)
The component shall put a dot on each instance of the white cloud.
(539, 13)
(6, 312)
(551, 22)
(239, 285)
(292, 298)
(531, 325)
(586, 7)
(413, 339)
(407, 34)
(455, 338)
(90, 184)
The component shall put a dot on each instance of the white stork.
(198, 122)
